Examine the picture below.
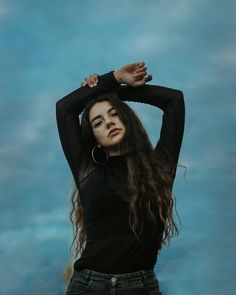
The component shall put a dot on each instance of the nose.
(109, 122)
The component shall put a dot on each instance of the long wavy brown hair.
(149, 179)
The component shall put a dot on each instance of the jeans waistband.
(142, 275)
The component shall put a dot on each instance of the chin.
(116, 139)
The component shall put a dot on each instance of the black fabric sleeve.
(68, 110)
(171, 102)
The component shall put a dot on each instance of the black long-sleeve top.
(111, 246)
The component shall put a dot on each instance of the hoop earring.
(100, 155)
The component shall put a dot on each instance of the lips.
(113, 130)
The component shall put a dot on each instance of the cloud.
(5, 10)
(225, 56)
(41, 232)
(24, 133)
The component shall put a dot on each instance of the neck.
(114, 150)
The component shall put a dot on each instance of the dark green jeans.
(89, 282)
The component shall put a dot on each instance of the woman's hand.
(92, 81)
(134, 74)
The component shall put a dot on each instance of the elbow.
(180, 99)
(177, 96)
(58, 104)
(180, 95)
(59, 108)
(177, 103)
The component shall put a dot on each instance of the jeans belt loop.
(144, 275)
(88, 275)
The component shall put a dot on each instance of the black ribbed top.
(111, 245)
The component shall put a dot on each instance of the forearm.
(158, 96)
(75, 101)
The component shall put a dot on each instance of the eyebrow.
(112, 108)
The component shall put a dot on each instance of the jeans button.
(113, 281)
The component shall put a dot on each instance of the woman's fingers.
(141, 64)
(140, 72)
(91, 81)
(141, 69)
(148, 78)
(143, 80)
(140, 75)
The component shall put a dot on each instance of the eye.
(114, 114)
(96, 125)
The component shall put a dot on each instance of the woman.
(122, 199)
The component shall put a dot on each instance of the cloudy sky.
(46, 49)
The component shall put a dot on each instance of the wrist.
(118, 76)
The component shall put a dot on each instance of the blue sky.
(47, 49)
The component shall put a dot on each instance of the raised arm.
(171, 101)
(68, 110)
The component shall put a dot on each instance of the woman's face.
(103, 118)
